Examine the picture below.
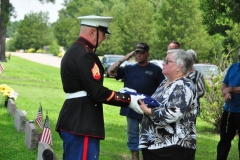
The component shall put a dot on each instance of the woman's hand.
(144, 107)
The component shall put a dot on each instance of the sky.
(23, 7)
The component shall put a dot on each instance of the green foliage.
(61, 30)
(234, 33)
(7, 10)
(40, 51)
(38, 35)
(213, 102)
(183, 24)
(157, 23)
(12, 27)
(31, 50)
(132, 24)
(54, 48)
(10, 45)
(67, 28)
(219, 19)
(211, 108)
(113, 44)
(224, 9)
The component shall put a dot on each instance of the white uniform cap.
(97, 22)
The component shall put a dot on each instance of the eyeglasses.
(167, 61)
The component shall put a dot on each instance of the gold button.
(123, 97)
(95, 105)
(117, 96)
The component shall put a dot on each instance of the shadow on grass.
(203, 127)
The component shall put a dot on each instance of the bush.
(54, 48)
(31, 50)
(40, 51)
(60, 54)
(10, 45)
(212, 105)
(213, 102)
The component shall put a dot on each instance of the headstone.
(20, 120)
(11, 107)
(31, 136)
(45, 152)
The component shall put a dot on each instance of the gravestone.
(20, 120)
(11, 107)
(44, 150)
(31, 135)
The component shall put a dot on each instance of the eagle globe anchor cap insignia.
(100, 22)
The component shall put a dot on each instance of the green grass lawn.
(36, 83)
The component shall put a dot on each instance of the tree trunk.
(2, 43)
(4, 18)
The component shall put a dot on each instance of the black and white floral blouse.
(172, 123)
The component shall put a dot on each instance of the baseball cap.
(142, 47)
(97, 22)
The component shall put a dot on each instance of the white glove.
(134, 103)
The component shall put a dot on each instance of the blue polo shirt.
(232, 78)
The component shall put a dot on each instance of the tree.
(67, 27)
(181, 22)
(11, 29)
(6, 11)
(134, 25)
(61, 29)
(229, 9)
(113, 42)
(54, 48)
(36, 36)
(222, 17)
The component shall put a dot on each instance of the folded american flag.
(149, 101)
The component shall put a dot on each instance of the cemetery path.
(46, 59)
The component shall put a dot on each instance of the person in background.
(169, 131)
(143, 77)
(174, 45)
(80, 123)
(230, 120)
(197, 79)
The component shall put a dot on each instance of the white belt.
(76, 94)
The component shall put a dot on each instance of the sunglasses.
(167, 61)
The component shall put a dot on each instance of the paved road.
(46, 59)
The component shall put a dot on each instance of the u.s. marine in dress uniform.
(81, 123)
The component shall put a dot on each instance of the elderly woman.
(197, 79)
(168, 131)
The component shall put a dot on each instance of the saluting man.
(80, 123)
